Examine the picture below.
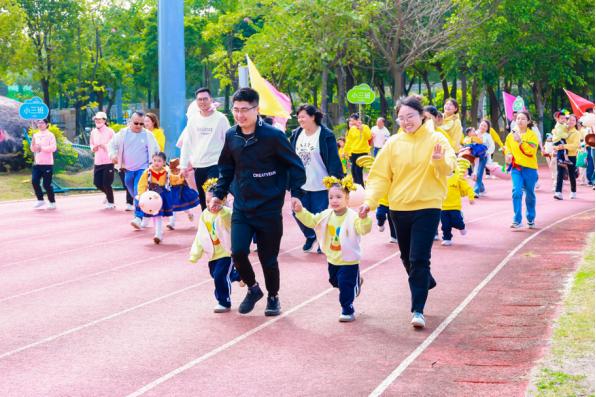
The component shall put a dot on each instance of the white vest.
(348, 238)
(205, 238)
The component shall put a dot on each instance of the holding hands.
(214, 205)
(363, 211)
(296, 204)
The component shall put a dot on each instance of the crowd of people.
(239, 175)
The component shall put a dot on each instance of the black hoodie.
(256, 170)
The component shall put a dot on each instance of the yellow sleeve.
(308, 219)
(507, 148)
(226, 217)
(363, 226)
(496, 137)
(348, 145)
(572, 142)
(160, 137)
(465, 189)
(366, 132)
(143, 182)
(196, 250)
(445, 165)
(380, 177)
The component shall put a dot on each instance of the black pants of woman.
(103, 177)
(415, 234)
(45, 172)
(571, 170)
(357, 172)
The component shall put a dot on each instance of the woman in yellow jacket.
(521, 146)
(152, 124)
(412, 169)
(357, 145)
(452, 123)
(572, 146)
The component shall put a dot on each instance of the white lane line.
(242, 337)
(418, 351)
(114, 315)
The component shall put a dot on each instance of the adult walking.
(202, 141)
(357, 145)
(103, 168)
(521, 146)
(416, 184)
(380, 134)
(484, 134)
(256, 163)
(316, 146)
(572, 146)
(132, 149)
(452, 123)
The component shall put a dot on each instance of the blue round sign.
(33, 109)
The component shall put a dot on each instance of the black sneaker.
(309, 244)
(273, 306)
(253, 295)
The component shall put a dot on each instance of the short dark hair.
(202, 89)
(246, 95)
(311, 110)
(432, 110)
(268, 120)
(138, 113)
(355, 116)
(160, 154)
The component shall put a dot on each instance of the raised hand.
(438, 152)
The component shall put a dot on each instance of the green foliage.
(64, 157)
(440, 98)
(117, 127)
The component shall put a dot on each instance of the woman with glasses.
(412, 170)
(103, 170)
(43, 146)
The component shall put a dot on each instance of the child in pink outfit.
(43, 146)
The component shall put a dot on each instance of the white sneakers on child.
(446, 243)
(558, 196)
(39, 204)
(381, 228)
(51, 206)
(129, 207)
(109, 206)
(136, 223)
(572, 195)
(221, 309)
(393, 240)
(347, 318)
(418, 320)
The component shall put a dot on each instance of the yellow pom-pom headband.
(209, 184)
(346, 183)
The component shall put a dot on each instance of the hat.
(100, 115)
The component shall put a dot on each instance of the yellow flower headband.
(209, 184)
(346, 183)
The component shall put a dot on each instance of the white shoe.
(558, 196)
(221, 309)
(39, 204)
(136, 223)
(436, 238)
(573, 195)
(105, 201)
(110, 206)
(51, 206)
(393, 240)
(463, 232)
(129, 207)
(446, 243)
(145, 222)
(418, 320)
(382, 228)
(347, 318)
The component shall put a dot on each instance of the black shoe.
(308, 245)
(273, 306)
(253, 295)
(432, 283)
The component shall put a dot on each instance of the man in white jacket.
(202, 141)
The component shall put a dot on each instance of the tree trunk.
(454, 88)
(149, 96)
(429, 91)
(341, 94)
(324, 99)
(350, 83)
(45, 87)
(464, 99)
(398, 83)
(494, 106)
(444, 84)
(474, 105)
(314, 96)
(227, 99)
(409, 85)
(382, 98)
(539, 100)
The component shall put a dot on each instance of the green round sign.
(361, 94)
(518, 104)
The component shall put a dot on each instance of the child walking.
(560, 135)
(339, 228)
(183, 197)
(157, 178)
(214, 240)
(43, 146)
(451, 215)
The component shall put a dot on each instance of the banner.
(271, 102)
(512, 104)
(578, 104)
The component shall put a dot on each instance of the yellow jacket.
(524, 153)
(572, 144)
(160, 137)
(452, 126)
(446, 135)
(496, 137)
(559, 132)
(457, 187)
(357, 141)
(405, 171)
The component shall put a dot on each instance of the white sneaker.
(463, 231)
(418, 320)
(347, 318)
(129, 207)
(558, 196)
(51, 206)
(573, 195)
(382, 228)
(110, 206)
(393, 240)
(136, 223)
(221, 309)
(446, 243)
(105, 201)
(145, 222)
(39, 204)
(436, 238)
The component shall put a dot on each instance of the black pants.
(45, 172)
(415, 233)
(201, 175)
(103, 176)
(571, 169)
(268, 229)
(129, 199)
(357, 172)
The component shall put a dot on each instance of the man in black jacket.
(255, 165)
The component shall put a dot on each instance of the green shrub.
(117, 127)
(64, 157)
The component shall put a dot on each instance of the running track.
(89, 307)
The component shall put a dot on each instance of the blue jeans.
(590, 166)
(131, 179)
(347, 279)
(479, 186)
(314, 202)
(376, 150)
(524, 180)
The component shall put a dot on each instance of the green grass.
(17, 185)
(566, 369)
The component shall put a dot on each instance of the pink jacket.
(100, 139)
(46, 144)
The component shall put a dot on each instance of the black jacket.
(328, 149)
(256, 170)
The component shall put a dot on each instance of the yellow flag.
(270, 101)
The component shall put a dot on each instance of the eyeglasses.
(139, 123)
(408, 117)
(242, 110)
